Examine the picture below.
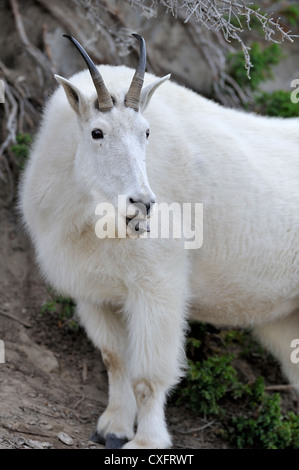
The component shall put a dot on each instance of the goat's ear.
(74, 96)
(149, 90)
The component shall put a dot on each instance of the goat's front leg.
(155, 356)
(104, 326)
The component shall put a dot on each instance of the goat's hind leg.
(277, 336)
(105, 328)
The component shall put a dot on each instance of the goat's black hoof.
(98, 438)
(114, 442)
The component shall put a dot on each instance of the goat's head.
(112, 139)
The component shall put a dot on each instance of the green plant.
(239, 337)
(207, 382)
(277, 103)
(262, 61)
(264, 425)
(291, 14)
(63, 307)
(208, 379)
(212, 387)
(21, 148)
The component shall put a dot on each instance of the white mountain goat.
(133, 294)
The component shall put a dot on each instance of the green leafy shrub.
(21, 148)
(212, 387)
(210, 376)
(264, 425)
(277, 103)
(207, 382)
(262, 61)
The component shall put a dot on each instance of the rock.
(65, 438)
(41, 357)
(46, 426)
(46, 445)
(39, 445)
(21, 441)
(35, 444)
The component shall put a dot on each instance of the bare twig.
(11, 113)
(79, 402)
(16, 107)
(218, 15)
(281, 387)
(22, 430)
(190, 431)
(118, 38)
(13, 317)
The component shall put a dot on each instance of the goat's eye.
(147, 133)
(97, 134)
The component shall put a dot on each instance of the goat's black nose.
(146, 205)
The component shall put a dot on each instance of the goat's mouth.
(137, 226)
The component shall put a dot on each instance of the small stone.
(21, 441)
(46, 445)
(65, 438)
(35, 444)
(46, 426)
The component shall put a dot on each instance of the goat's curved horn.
(104, 98)
(132, 99)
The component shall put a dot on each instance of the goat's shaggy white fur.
(133, 294)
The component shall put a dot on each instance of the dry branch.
(223, 16)
(280, 387)
(17, 108)
(201, 428)
(32, 50)
(47, 45)
(17, 105)
(11, 114)
(71, 28)
(13, 317)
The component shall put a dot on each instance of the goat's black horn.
(104, 98)
(132, 99)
